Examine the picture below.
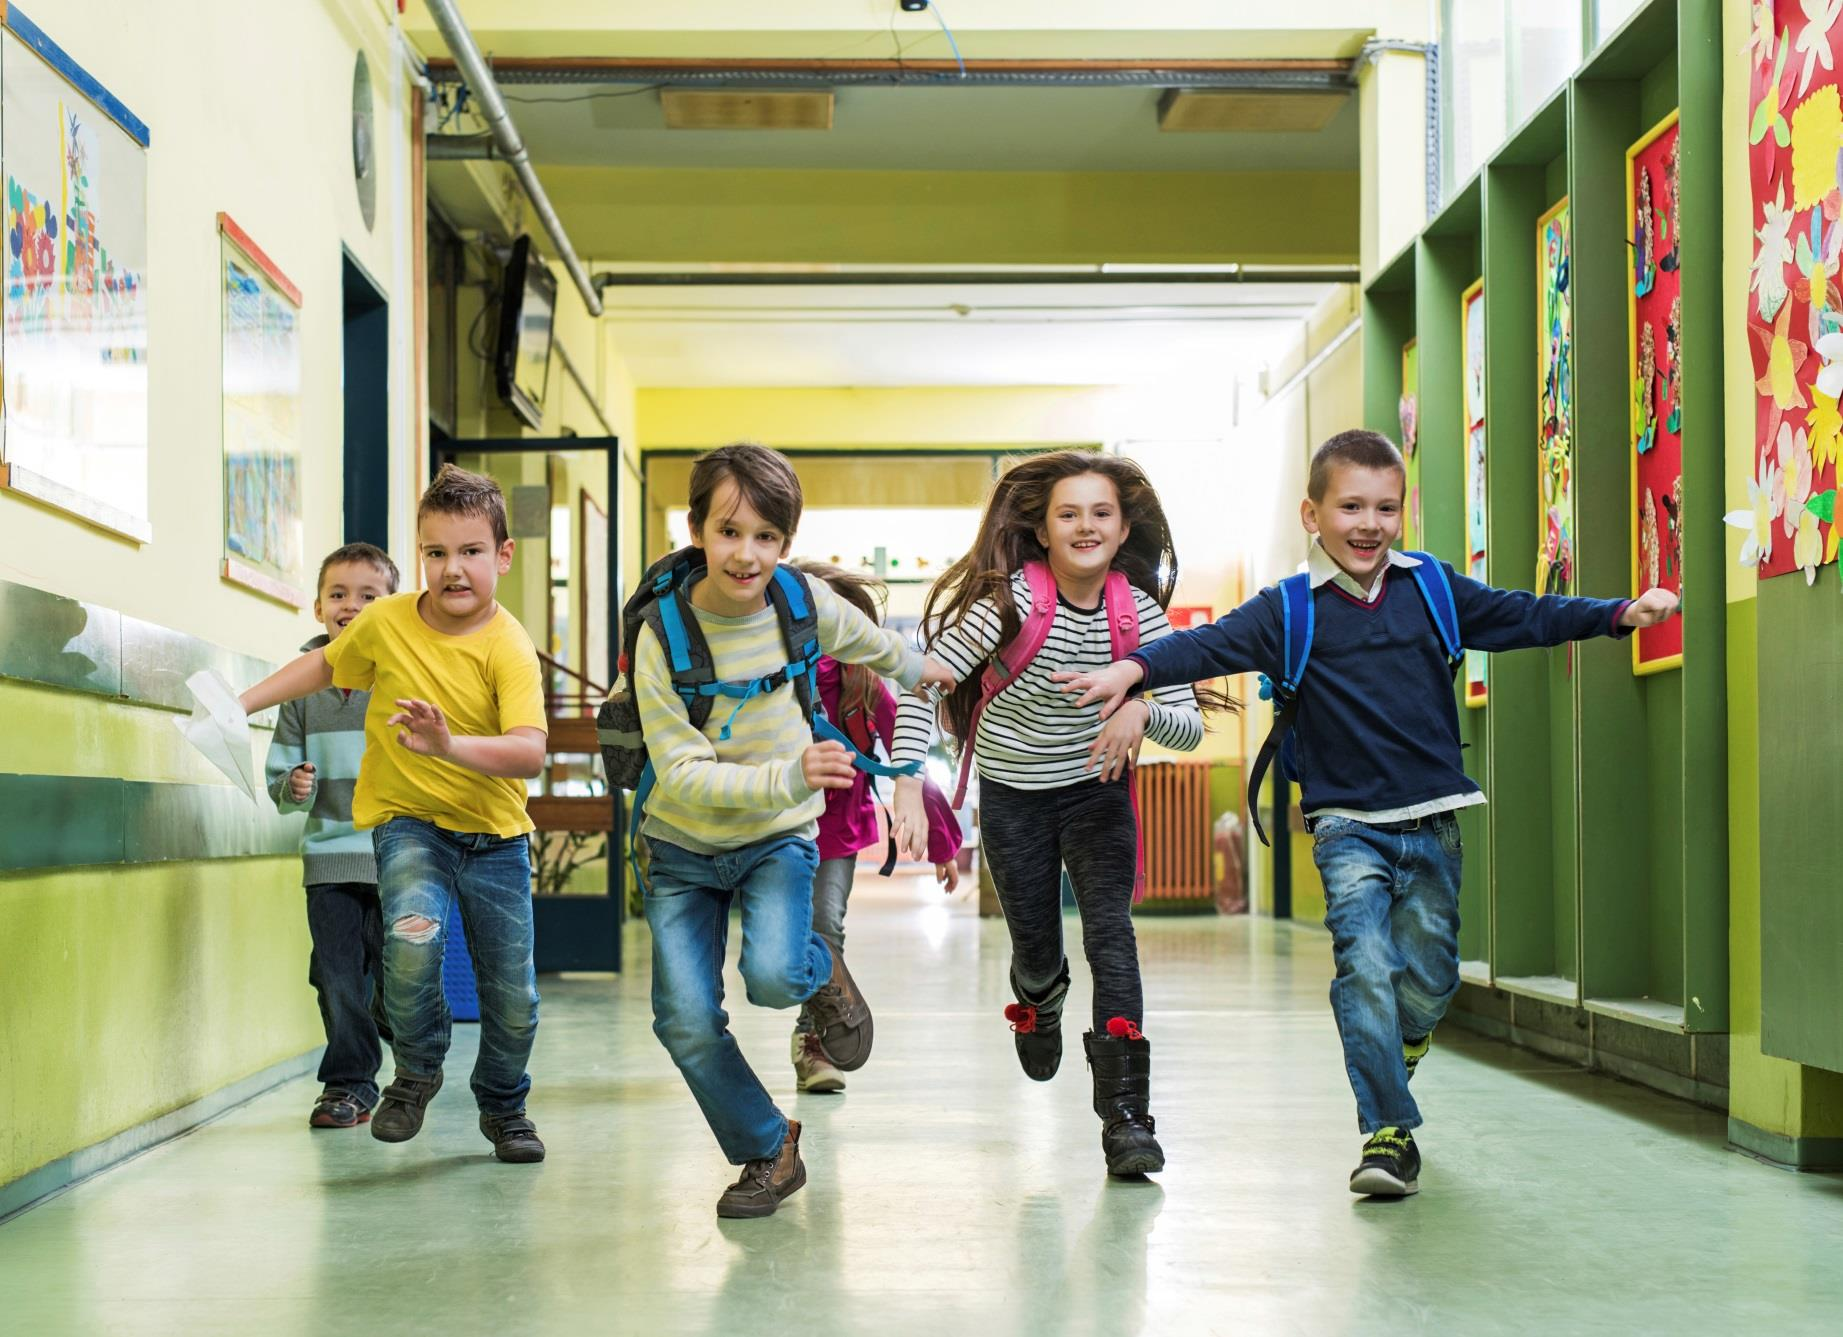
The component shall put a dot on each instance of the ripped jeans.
(420, 868)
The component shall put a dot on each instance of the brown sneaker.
(398, 1116)
(338, 1108)
(514, 1137)
(766, 1183)
(813, 1071)
(841, 1018)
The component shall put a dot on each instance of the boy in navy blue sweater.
(1377, 751)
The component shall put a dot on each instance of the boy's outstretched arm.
(1246, 640)
(517, 754)
(292, 681)
(851, 638)
(1494, 619)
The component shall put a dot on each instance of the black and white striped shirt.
(1032, 736)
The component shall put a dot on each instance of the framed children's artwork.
(1472, 322)
(1794, 305)
(1555, 406)
(1655, 339)
(1410, 411)
(261, 312)
(73, 309)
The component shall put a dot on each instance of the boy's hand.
(909, 818)
(1118, 746)
(948, 875)
(425, 729)
(1650, 608)
(827, 766)
(1109, 686)
(301, 782)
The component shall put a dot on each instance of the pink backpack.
(1011, 661)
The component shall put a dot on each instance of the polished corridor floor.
(948, 1194)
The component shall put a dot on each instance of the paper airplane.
(220, 729)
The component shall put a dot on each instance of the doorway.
(366, 382)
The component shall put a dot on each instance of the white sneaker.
(814, 1072)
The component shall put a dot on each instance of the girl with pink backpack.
(1073, 566)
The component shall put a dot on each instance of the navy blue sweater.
(1378, 723)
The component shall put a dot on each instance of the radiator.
(1174, 815)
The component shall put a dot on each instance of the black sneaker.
(338, 1108)
(514, 1137)
(398, 1116)
(1391, 1166)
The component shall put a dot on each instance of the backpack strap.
(1012, 659)
(1437, 591)
(1122, 615)
(1298, 620)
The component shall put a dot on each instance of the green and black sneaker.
(1413, 1053)
(1391, 1166)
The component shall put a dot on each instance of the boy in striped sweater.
(312, 768)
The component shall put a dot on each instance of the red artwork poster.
(1184, 617)
(1794, 307)
(1655, 326)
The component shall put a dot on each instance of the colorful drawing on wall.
(262, 421)
(1555, 408)
(1795, 308)
(1410, 439)
(73, 306)
(1472, 321)
(1655, 325)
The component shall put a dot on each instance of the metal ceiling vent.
(747, 108)
(1225, 109)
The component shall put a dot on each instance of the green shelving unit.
(1596, 878)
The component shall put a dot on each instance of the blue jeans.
(783, 962)
(420, 866)
(348, 938)
(1392, 905)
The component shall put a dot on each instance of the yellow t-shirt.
(486, 682)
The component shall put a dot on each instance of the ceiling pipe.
(461, 148)
(492, 108)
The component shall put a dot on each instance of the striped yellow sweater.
(713, 794)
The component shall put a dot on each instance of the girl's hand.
(948, 875)
(936, 679)
(827, 766)
(1109, 686)
(1650, 608)
(1118, 746)
(909, 818)
(301, 782)
(425, 729)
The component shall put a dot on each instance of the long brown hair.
(1007, 538)
(857, 684)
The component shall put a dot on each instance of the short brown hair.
(1359, 448)
(375, 557)
(454, 491)
(764, 477)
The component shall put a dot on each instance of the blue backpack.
(1298, 620)
(662, 604)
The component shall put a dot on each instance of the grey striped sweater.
(328, 729)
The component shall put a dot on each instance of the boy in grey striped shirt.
(312, 768)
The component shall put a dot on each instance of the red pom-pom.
(1023, 1019)
(1122, 1029)
(621, 664)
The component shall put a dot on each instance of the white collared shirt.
(1323, 569)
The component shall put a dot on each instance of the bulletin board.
(1655, 338)
(1472, 322)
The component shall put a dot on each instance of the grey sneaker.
(766, 1183)
(841, 1018)
(398, 1116)
(813, 1071)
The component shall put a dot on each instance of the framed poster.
(1654, 328)
(1794, 306)
(1555, 405)
(592, 581)
(1472, 322)
(260, 309)
(73, 310)
(1410, 440)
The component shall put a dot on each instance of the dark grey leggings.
(1029, 836)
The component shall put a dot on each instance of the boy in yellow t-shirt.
(455, 727)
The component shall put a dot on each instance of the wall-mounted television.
(527, 310)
